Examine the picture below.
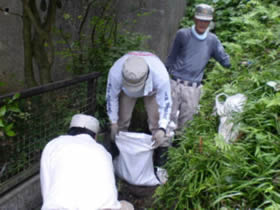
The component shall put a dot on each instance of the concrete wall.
(157, 18)
(11, 46)
(27, 196)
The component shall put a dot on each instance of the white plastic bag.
(274, 84)
(232, 104)
(135, 161)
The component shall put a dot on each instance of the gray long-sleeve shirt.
(189, 55)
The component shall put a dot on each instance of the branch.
(50, 15)
(66, 40)
(32, 18)
(95, 26)
(85, 17)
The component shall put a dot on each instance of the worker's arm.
(112, 94)
(164, 102)
(179, 42)
(220, 55)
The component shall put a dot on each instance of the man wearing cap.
(134, 75)
(189, 54)
(77, 173)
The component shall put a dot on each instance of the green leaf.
(10, 133)
(16, 96)
(13, 109)
(3, 111)
(274, 102)
(66, 16)
(1, 123)
(9, 127)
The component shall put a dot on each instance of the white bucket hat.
(135, 72)
(85, 121)
(204, 12)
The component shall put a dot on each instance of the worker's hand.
(159, 138)
(114, 131)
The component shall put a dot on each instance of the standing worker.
(189, 55)
(77, 173)
(134, 75)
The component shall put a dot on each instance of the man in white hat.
(189, 54)
(77, 172)
(134, 75)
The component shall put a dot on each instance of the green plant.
(9, 112)
(206, 173)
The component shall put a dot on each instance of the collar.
(200, 36)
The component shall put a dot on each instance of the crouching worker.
(77, 172)
(135, 75)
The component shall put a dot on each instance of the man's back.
(77, 173)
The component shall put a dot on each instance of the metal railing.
(48, 110)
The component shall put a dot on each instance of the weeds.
(206, 173)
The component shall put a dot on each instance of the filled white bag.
(135, 161)
(232, 104)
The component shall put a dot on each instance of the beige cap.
(204, 12)
(135, 71)
(85, 121)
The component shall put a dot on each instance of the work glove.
(114, 131)
(159, 138)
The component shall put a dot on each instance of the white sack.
(135, 161)
(232, 104)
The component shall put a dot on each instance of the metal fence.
(47, 111)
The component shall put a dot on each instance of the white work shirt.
(77, 174)
(157, 83)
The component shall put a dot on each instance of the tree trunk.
(38, 43)
(28, 67)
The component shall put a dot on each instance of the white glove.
(114, 131)
(159, 138)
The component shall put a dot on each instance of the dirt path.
(140, 197)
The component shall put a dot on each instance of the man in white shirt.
(77, 172)
(134, 75)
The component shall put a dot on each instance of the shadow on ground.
(140, 197)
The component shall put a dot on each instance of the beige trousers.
(126, 106)
(185, 100)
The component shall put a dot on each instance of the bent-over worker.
(77, 173)
(134, 75)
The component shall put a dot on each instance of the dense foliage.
(206, 173)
